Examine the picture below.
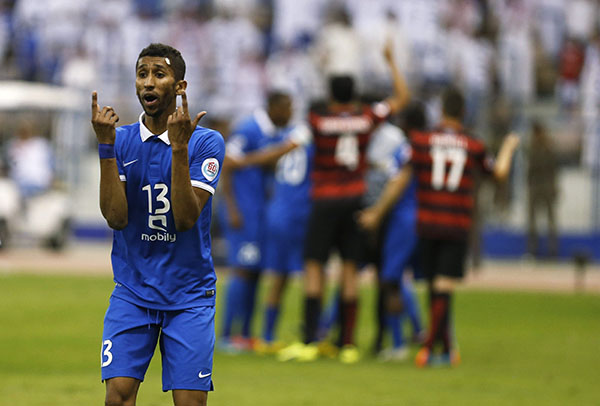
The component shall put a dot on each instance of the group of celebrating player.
(157, 179)
(314, 203)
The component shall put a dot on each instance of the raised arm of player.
(401, 94)
(371, 217)
(505, 155)
(187, 201)
(299, 136)
(113, 200)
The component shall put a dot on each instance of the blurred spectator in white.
(542, 177)
(188, 31)
(423, 23)
(337, 48)
(79, 70)
(61, 28)
(582, 19)
(374, 34)
(473, 70)
(291, 70)
(550, 22)
(515, 54)
(103, 41)
(237, 63)
(30, 161)
(293, 19)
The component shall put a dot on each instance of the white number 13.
(440, 156)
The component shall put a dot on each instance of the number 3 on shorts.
(106, 353)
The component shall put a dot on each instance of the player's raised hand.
(103, 121)
(180, 126)
(388, 51)
(512, 140)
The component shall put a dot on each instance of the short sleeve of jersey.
(206, 160)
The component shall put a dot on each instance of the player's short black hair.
(165, 51)
(413, 117)
(453, 103)
(277, 96)
(341, 88)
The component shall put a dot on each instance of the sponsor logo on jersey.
(159, 237)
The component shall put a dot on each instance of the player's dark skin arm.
(113, 199)
(187, 201)
(265, 157)
(235, 216)
(371, 217)
(401, 93)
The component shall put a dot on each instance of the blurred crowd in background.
(521, 64)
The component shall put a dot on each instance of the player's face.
(155, 85)
(281, 112)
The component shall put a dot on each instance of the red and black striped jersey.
(341, 135)
(444, 162)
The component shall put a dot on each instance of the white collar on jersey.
(145, 133)
(264, 122)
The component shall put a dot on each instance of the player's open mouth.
(150, 99)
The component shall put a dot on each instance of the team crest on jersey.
(210, 168)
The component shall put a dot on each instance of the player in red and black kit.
(444, 162)
(341, 130)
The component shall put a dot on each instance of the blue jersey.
(291, 188)
(249, 183)
(154, 265)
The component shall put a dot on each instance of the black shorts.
(442, 257)
(332, 224)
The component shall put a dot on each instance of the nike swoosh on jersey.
(201, 375)
(130, 162)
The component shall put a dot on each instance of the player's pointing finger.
(184, 102)
(94, 104)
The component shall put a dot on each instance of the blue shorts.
(186, 338)
(399, 248)
(285, 242)
(245, 246)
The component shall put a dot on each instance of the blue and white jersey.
(291, 188)
(288, 211)
(154, 265)
(249, 183)
(407, 204)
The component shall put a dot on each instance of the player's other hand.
(103, 121)
(180, 126)
(369, 219)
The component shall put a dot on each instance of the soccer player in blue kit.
(243, 214)
(157, 178)
(286, 218)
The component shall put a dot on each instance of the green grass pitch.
(517, 349)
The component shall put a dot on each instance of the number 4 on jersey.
(440, 156)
